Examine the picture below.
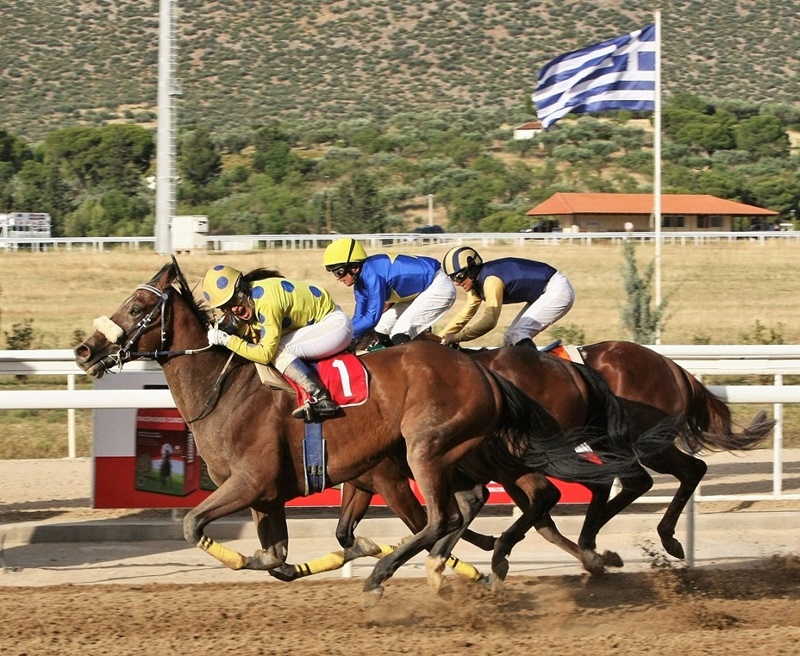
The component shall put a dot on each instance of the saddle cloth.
(345, 377)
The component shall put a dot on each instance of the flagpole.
(657, 169)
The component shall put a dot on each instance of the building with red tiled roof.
(610, 212)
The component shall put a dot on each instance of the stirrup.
(313, 412)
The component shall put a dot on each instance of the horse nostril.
(82, 351)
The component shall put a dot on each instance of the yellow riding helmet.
(343, 252)
(219, 284)
(460, 258)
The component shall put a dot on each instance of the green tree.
(199, 161)
(356, 207)
(762, 136)
(112, 156)
(639, 317)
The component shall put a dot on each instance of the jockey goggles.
(459, 276)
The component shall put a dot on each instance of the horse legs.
(438, 495)
(392, 484)
(535, 495)
(233, 495)
(689, 470)
(355, 503)
(273, 534)
(470, 501)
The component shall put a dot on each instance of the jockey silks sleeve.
(493, 295)
(280, 306)
(386, 278)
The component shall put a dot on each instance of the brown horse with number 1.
(439, 404)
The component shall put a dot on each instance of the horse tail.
(709, 425)
(604, 410)
(528, 435)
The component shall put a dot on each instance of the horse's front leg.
(230, 497)
(273, 534)
(470, 501)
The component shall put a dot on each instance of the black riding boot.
(400, 338)
(381, 341)
(526, 342)
(320, 405)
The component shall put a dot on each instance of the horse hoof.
(285, 573)
(673, 548)
(612, 559)
(500, 569)
(262, 560)
(370, 598)
(444, 590)
(495, 583)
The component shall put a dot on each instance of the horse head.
(148, 324)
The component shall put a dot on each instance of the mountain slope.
(244, 62)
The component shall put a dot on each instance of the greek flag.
(616, 74)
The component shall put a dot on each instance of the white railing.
(775, 361)
(260, 242)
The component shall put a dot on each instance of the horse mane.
(261, 274)
(203, 314)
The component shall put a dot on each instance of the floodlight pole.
(168, 90)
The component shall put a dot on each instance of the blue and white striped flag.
(616, 74)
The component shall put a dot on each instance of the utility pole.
(328, 224)
(430, 209)
(168, 90)
(328, 211)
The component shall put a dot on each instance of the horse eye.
(136, 310)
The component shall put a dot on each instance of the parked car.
(429, 230)
(760, 227)
(544, 225)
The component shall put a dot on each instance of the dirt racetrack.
(748, 606)
(664, 611)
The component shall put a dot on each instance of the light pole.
(328, 205)
(430, 209)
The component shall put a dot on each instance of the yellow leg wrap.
(463, 569)
(227, 557)
(328, 563)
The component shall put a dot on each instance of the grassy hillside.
(244, 62)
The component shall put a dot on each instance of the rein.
(128, 338)
(116, 335)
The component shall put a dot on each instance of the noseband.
(128, 338)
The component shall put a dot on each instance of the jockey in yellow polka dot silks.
(281, 322)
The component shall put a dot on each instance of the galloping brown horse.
(441, 405)
(658, 394)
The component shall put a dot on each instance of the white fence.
(704, 360)
(228, 243)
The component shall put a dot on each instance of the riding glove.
(217, 337)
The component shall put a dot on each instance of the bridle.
(128, 338)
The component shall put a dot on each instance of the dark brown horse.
(657, 393)
(579, 399)
(439, 404)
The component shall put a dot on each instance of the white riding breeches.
(554, 303)
(320, 340)
(417, 316)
